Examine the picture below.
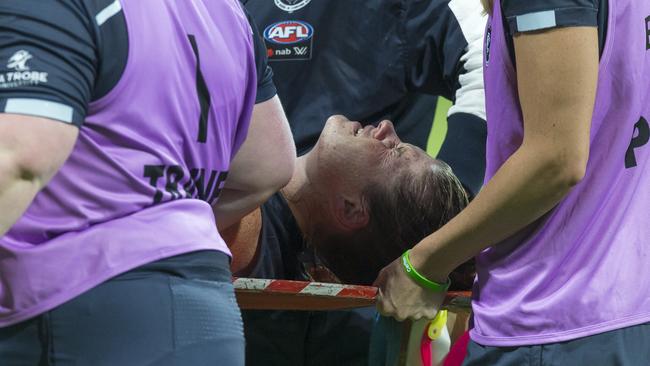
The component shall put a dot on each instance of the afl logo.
(289, 31)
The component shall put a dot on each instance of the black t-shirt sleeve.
(435, 44)
(464, 149)
(265, 87)
(445, 43)
(533, 15)
(48, 59)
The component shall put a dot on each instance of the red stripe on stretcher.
(359, 291)
(286, 286)
(255, 293)
(306, 288)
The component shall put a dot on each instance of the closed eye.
(391, 144)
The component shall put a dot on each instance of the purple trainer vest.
(150, 158)
(583, 268)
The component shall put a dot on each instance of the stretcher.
(267, 294)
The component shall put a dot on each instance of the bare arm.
(32, 150)
(557, 93)
(263, 165)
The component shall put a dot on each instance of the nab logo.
(287, 32)
(19, 60)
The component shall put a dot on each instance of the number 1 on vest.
(202, 92)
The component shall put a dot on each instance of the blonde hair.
(487, 5)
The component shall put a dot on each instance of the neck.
(302, 198)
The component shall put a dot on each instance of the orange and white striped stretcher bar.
(254, 293)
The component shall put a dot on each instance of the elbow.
(574, 173)
(573, 163)
(563, 173)
(558, 168)
(288, 169)
(15, 168)
(282, 169)
(566, 177)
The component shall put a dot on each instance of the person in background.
(376, 60)
(121, 124)
(560, 229)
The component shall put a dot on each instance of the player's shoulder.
(534, 15)
(77, 8)
(74, 15)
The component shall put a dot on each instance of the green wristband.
(421, 280)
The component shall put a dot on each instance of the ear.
(351, 212)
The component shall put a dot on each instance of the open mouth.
(357, 128)
(366, 131)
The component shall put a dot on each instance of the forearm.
(233, 205)
(556, 93)
(524, 189)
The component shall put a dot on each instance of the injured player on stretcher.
(356, 202)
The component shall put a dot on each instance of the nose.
(385, 131)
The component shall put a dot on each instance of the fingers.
(400, 298)
(402, 313)
(384, 307)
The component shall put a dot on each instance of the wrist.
(417, 277)
(427, 266)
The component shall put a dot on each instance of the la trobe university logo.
(291, 5)
(18, 72)
(19, 60)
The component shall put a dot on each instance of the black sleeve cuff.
(39, 107)
(553, 18)
(265, 87)
(464, 149)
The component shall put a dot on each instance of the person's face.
(345, 161)
(349, 156)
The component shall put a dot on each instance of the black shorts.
(622, 347)
(177, 311)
